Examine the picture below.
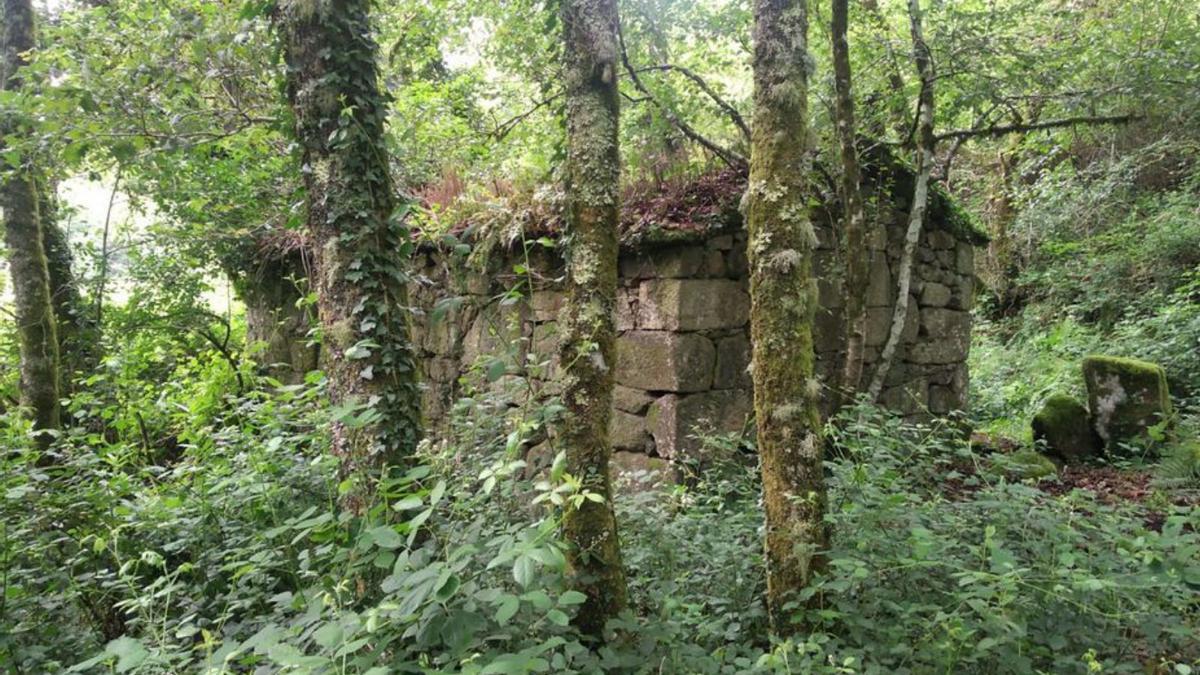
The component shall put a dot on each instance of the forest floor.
(1110, 484)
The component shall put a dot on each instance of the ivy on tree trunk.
(783, 300)
(37, 332)
(359, 239)
(588, 345)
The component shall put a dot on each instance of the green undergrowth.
(1104, 263)
(229, 555)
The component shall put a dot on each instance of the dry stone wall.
(683, 351)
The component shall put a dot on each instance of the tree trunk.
(783, 301)
(857, 255)
(276, 318)
(916, 216)
(37, 333)
(359, 240)
(588, 344)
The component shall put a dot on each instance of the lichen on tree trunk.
(588, 343)
(37, 333)
(360, 242)
(783, 301)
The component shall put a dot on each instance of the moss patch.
(1126, 397)
(1026, 465)
(1064, 426)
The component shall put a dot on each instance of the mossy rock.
(1026, 465)
(1064, 426)
(1126, 397)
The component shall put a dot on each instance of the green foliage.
(231, 555)
(1008, 580)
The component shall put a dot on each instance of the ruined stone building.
(683, 311)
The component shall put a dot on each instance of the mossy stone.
(1027, 465)
(1064, 426)
(1125, 396)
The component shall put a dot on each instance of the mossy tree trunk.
(37, 333)
(926, 142)
(588, 343)
(359, 240)
(783, 300)
(857, 255)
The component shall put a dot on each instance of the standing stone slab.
(692, 304)
(1126, 397)
(663, 361)
(639, 472)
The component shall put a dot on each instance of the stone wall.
(683, 310)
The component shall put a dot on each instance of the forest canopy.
(679, 336)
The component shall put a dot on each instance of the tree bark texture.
(916, 216)
(857, 255)
(359, 239)
(783, 299)
(37, 333)
(588, 339)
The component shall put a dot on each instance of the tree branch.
(732, 159)
(1004, 129)
(730, 111)
(505, 128)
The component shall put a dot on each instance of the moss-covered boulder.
(1064, 426)
(1125, 396)
(1026, 465)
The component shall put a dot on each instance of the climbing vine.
(361, 242)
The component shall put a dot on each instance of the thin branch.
(730, 111)
(1004, 129)
(505, 128)
(733, 159)
(944, 176)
